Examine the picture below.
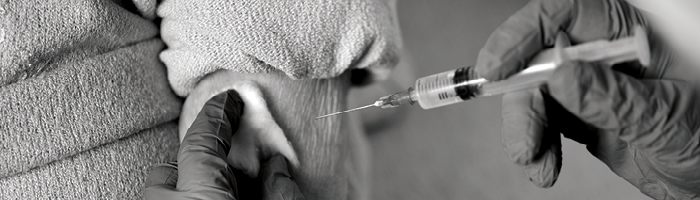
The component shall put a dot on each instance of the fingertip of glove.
(520, 157)
(547, 183)
(519, 150)
(545, 171)
(523, 125)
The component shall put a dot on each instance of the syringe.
(462, 84)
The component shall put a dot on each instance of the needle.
(347, 111)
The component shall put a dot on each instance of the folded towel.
(38, 35)
(115, 170)
(75, 78)
(319, 39)
(80, 105)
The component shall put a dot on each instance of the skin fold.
(331, 151)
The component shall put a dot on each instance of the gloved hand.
(646, 131)
(202, 170)
(259, 137)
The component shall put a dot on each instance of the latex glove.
(203, 171)
(645, 131)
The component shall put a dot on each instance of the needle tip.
(335, 113)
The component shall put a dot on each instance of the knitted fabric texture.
(319, 39)
(85, 103)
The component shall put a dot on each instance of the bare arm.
(322, 145)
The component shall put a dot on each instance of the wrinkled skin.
(328, 149)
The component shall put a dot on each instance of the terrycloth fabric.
(115, 170)
(319, 39)
(81, 90)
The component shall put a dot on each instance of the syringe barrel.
(447, 88)
(462, 84)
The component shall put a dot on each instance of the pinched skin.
(328, 158)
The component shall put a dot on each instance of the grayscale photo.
(350, 99)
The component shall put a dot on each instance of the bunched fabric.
(85, 107)
(319, 39)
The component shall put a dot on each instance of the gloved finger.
(656, 116)
(525, 126)
(202, 167)
(162, 174)
(535, 26)
(524, 119)
(278, 182)
(161, 182)
(544, 170)
(259, 136)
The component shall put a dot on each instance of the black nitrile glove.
(202, 170)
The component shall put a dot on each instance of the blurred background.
(455, 152)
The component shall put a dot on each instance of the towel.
(303, 39)
(86, 109)
(115, 170)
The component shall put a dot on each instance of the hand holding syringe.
(462, 84)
